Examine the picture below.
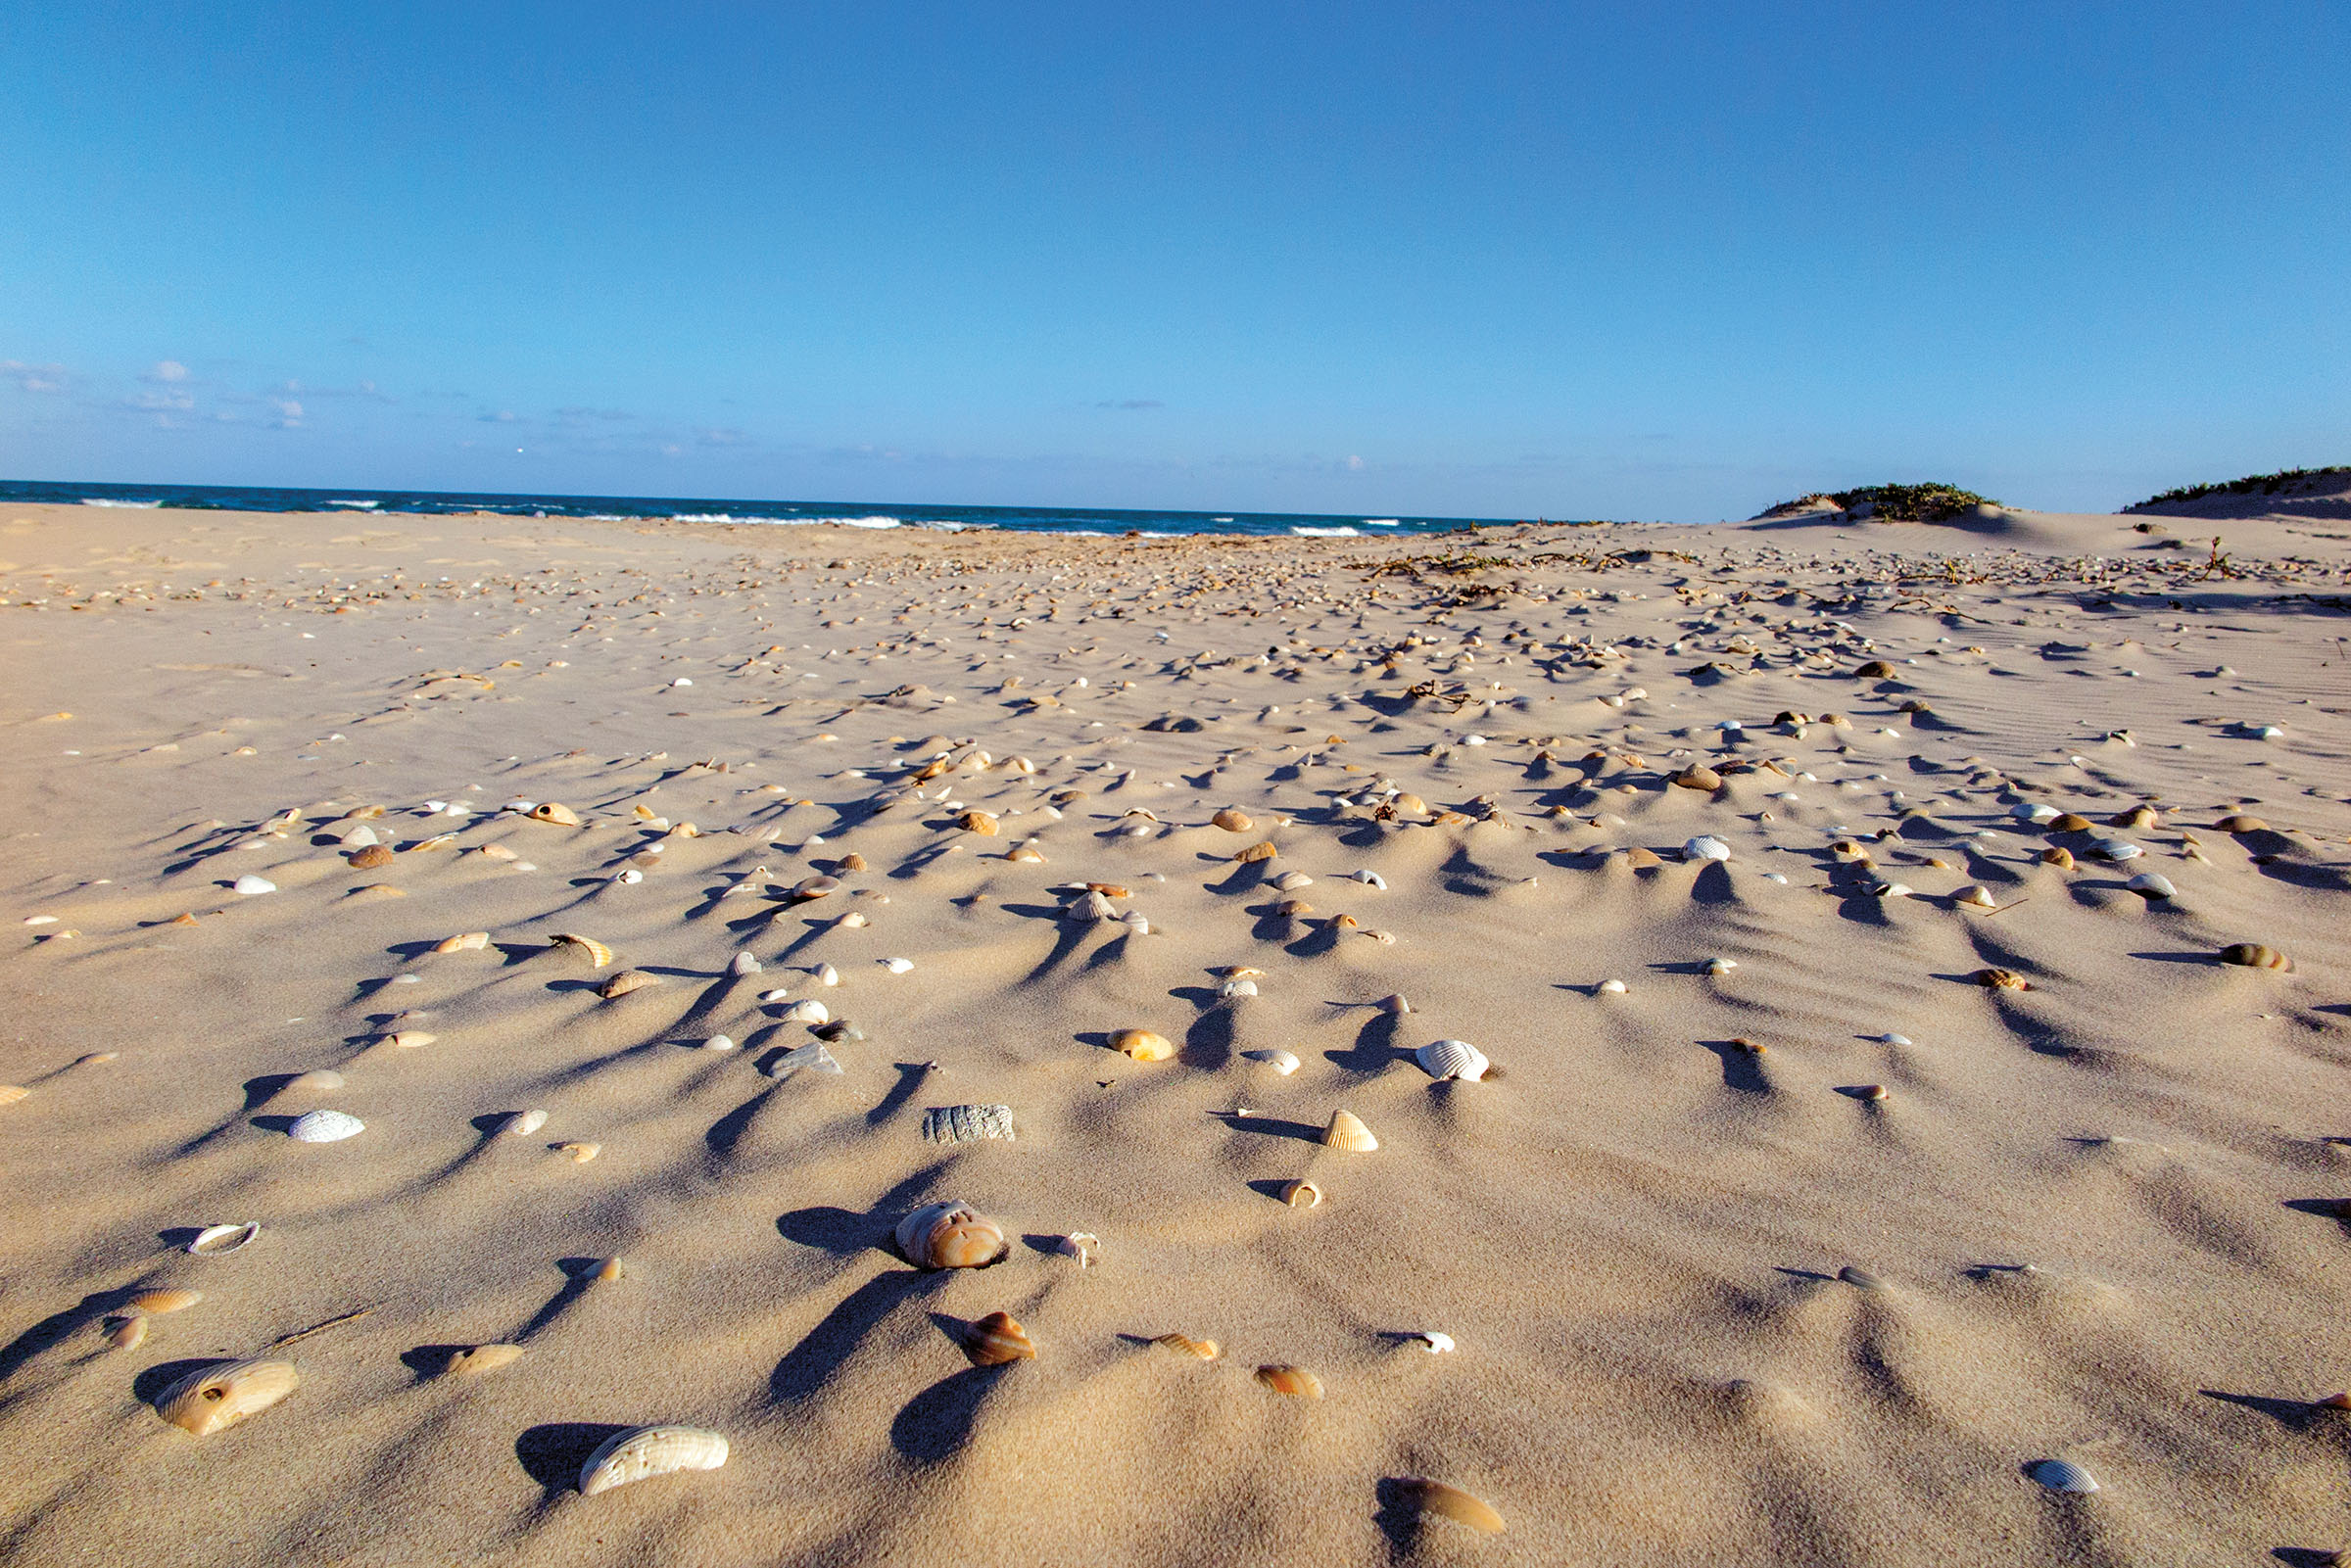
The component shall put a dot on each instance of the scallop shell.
(554, 811)
(650, 1450)
(157, 1303)
(466, 942)
(219, 1396)
(1282, 1062)
(1429, 1497)
(1143, 1045)
(1347, 1131)
(2061, 1475)
(479, 1359)
(1260, 851)
(213, 1240)
(1184, 1344)
(1295, 1381)
(599, 955)
(2253, 955)
(951, 1235)
(1302, 1193)
(1233, 822)
(977, 822)
(625, 981)
(1451, 1059)
(997, 1340)
(324, 1127)
(967, 1124)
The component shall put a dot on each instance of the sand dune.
(1803, 1245)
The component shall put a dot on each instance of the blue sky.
(1666, 262)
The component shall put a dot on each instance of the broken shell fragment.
(1976, 896)
(1436, 1497)
(1301, 1194)
(1435, 1342)
(466, 942)
(324, 1127)
(967, 1124)
(370, 857)
(554, 811)
(599, 955)
(213, 1240)
(1143, 1045)
(1295, 1381)
(951, 1235)
(1081, 1245)
(581, 1153)
(128, 1334)
(650, 1450)
(249, 885)
(479, 1359)
(1347, 1131)
(625, 981)
(977, 822)
(2253, 955)
(1186, 1345)
(997, 1340)
(219, 1396)
(1261, 851)
(1282, 1062)
(1451, 1059)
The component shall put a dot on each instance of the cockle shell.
(213, 1240)
(650, 1450)
(1143, 1045)
(1232, 821)
(2061, 1475)
(1186, 1345)
(1282, 1062)
(625, 981)
(157, 1303)
(1231, 990)
(467, 943)
(1451, 1059)
(1347, 1131)
(599, 955)
(1429, 1497)
(996, 1339)
(1705, 846)
(967, 1124)
(1301, 1194)
(554, 811)
(1295, 1381)
(219, 1396)
(479, 1359)
(1090, 907)
(2253, 955)
(324, 1127)
(951, 1235)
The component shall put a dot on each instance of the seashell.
(1233, 822)
(2116, 849)
(967, 1124)
(1451, 1059)
(1610, 988)
(1260, 851)
(951, 1235)
(599, 955)
(1640, 859)
(411, 1039)
(1282, 1062)
(2034, 812)
(437, 842)
(898, 965)
(1721, 965)
(1370, 878)
(219, 1396)
(496, 851)
(852, 861)
(627, 980)
(479, 1359)
(1698, 776)
(2135, 817)
(1080, 1245)
(2152, 885)
(1232, 990)
(1290, 881)
(1186, 1345)
(1705, 847)
(1394, 1004)
(825, 975)
(1408, 804)
(1893, 1039)
(2059, 856)
(1428, 1498)
(324, 1127)
(809, 888)
(1301, 1194)
(997, 1340)
(356, 837)
(2061, 1475)
(807, 1010)
(1870, 1091)
(315, 1081)
(977, 822)
(2236, 822)
(650, 1450)
(1976, 896)
(1860, 1279)
(127, 1335)
(1143, 1045)
(11, 1093)
(554, 811)
(581, 1153)
(1435, 1342)
(1090, 907)
(2000, 979)
(606, 1272)
(2069, 822)
(837, 1032)
(468, 943)
(1347, 1131)
(742, 964)
(251, 885)
(1027, 854)
(523, 1123)
(1874, 670)
(854, 920)
(1295, 1381)
(213, 1240)
(157, 1303)
(2252, 955)
(1293, 907)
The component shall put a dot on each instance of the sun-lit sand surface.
(1899, 1161)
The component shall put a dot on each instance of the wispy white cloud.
(289, 413)
(167, 371)
(34, 377)
(722, 436)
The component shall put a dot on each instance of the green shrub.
(2266, 483)
(1930, 502)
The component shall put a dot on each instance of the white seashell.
(1451, 1059)
(1611, 987)
(1371, 878)
(1976, 896)
(1891, 889)
(1282, 1062)
(1705, 846)
(813, 1057)
(898, 965)
(2062, 1475)
(1133, 921)
(808, 1010)
(854, 920)
(742, 964)
(2035, 811)
(358, 837)
(776, 995)
(1721, 965)
(1089, 906)
(2152, 885)
(683, 680)
(718, 1043)
(523, 1123)
(213, 1240)
(1394, 1005)
(1435, 1342)
(324, 1127)
(1290, 881)
(1236, 988)
(650, 1450)
(250, 884)
(827, 975)
(1893, 1039)
(1080, 1246)
(2116, 849)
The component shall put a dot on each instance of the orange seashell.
(467, 943)
(2069, 822)
(2059, 856)
(1429, 1497)
(852, 861)
(155, 1303)
(1232, 821)
(977, 822)
(1143, 1045)
(1295, 1381)
(1206, 1349)
(127, 1334)
(998, 1339)
(2252, 955)
(219, 1396)
(599, 955)
(2000, 979)
(369, 858)
(554, 811)
(1261, 851)
(951, 1235)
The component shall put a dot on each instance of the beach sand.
(1806, 1246)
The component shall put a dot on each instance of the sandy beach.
(1875, 1113)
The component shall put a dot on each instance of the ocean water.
(703, 509)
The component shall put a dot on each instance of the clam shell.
(599, 955)
(370, 857)
(1394, 1004)
(1302, 1193)
(1282, 1062)
(1186, 1345)
(2152, 885)
(1231, 990)
(2116, 849)
(466, 942)
(812, 1056)
(523, 1123)
(553, 811)
(625, 981)
(318, 1080)
(219, 1396)
(1143, 1045)
(1429, 1497)
(1290, 881)
(1976, 895)
(2059, 856)
(479, 1359)
(2033, 811)
(650, 1450)
(1028, 854)
(1451, 1059)
(807, 1010)
(1347, 1131)
(2253, 955)
(951, 1235)
(157, 1303)
(411, 1039)
(581, 1153)
(967, 1124)
(808, 887)
(213, 1240)
(324, 1127)
(1260, 851)
(1698, 776)
(2069, 822)
(2061, 1475)
(128, 1334)
(1233, 822)
(996, 1339)
(1295, 1381)
(1610, 988)
(742, 964)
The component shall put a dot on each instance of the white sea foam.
(1381, 522)
(364, 506)
(137, 506)
(1219, 519)
(1324, 533)
(722, 517)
